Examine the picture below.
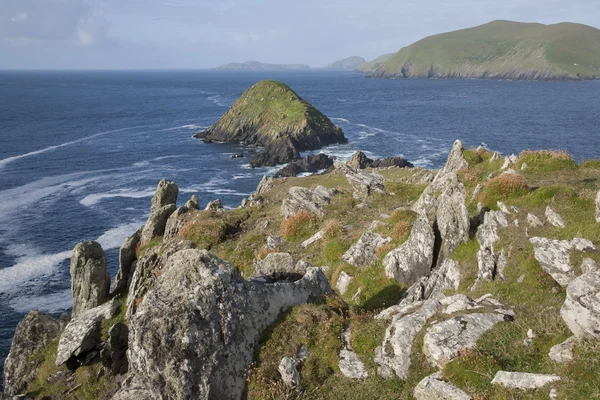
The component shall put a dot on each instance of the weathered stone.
(563, 352)
(82, 334)
(503, 207)
(264, 186)
(127, 256)
(581, 309)
(175, 222)
(157, 222)
(214, 205)
(501, 264)
(476, 191)
(303, 199)
(343, 282)
(33, 333)
(351, 366)
(113, 354)
(414, 258)
(309, 164)
(393, 356)
(487, 235)
(434, 387)
(166, 194)
(364, 183)
(445, 277)
(588, 265)
(204, 349)
(501, 218)
(443, 340)
(363, 253)
(554, 218)
(314, 238)
(534, 221)
(275, 263)
(523, 380)
(455, 161)
(598, 206)
(359, 160)
(495, 156)
(458, 303)
(274, 242)
(90, 281)
(554, 256)
(452, 218)
(288, 369)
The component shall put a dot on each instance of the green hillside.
(350, 63)
(501, 50)
(373, 64)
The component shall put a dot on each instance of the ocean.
(82, 152)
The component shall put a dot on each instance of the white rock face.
(434, 387)
(413, 259)
(364, 183)
(443, 340)
(581, 309)
(363, 253)
(487, 235)
(458, 303)
(503, 207)
(343, 282)
(90, 281)
(303, 199)
(523, 380)
(555, 219)
(314, 238)
(534, 221)
(288, 369)
(351, 366)
(394, 354)
(563, 352)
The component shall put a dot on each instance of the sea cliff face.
(479, 280)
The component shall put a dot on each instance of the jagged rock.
(495, 156)
(264, 186)
(301, 198)
(452, 218)
(501, 264)
(509, 160)
(443, 340)
(363, 253)
(205, 347)
(393, 356)
(414, 258)
(434, 387)
(343, 282)
(503, 207)
(288, 369)
(554, 218)
(90, 281)
(127, 256)
(455, 161)
(82, 335)
(588, 265)
(113, 354)
(214, 205)
(157, 221)
(275, 263)
(476, 191)
(523, 380)
(364, 183)
(447, 276)
(487, 235)
(274, 242)
(311, 163)
(554, 256)
(563, 352)
(33, 332)
(314, 238)
(458, 303)
(581, 309)
(149, 268)
(166, 194)
(351, 366)
(598, 206)
(501, 218)
(534, 221)
(175, 221)
(359, 160)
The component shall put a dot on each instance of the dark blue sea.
(81, 152)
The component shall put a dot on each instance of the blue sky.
(132, 34)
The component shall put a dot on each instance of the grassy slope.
(347, 63)
(372, 65)
(502, 49)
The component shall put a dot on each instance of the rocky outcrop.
(581, 309)
(264, 186)
(127, 257)
(166, 194)
(361, 161)
(563, 352)
(269, 114)
(554, 256)
(276, 263)
(445, 277)
(203, 350)
(214, 205)
(350, 365)
(434, 387)
(288, 369)
(90, 281)
(163, 205)
(413, 259)
(311, 163)
(80, 341)
(554, 218)
(364, 183)
(534, 221)
(487, 235)
(304, 199)
(363, 253)
(452, 218)
(598, 206)
(114, 352)
(523, 380)
(176, 221)
(33, 333)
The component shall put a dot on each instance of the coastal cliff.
(500, 50)
(479, 280)
(270, 114)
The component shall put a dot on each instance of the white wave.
(30, 267)
(95, 198)
(341, 120)
(48, 303)
(242, 176)
(215, 99)
(5, 161)
(422, 162)
(114, 238)
(213, 183)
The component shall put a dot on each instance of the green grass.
(546, 161)
(152, 243)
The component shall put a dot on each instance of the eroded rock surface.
(523, 380)
(581, 309)
(274, 263)
(363, 253)
(304, 199)
(554, 218)
(163, 205)
(434, 387)
(90, 281)
(175, 221)
(445, 277)
(563, 352)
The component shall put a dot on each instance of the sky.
(168, 34)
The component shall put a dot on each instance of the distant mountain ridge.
(258, 66)
(372, 65)
(349, 63)
(500, 50)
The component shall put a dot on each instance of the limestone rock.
(523, 380)
(434, 387)
(452, 218)
(82, 335)
(288, 369)
(157, 222)
(455, 161)
(214, 205)
(303, 199)
(487, 235)
(314, 238)
(534, 221)
(581, 309)
(33, 333)
(364, 183)
(445, 277)
(443, 340)
(113, 354)
(175, 221)
(555, 219)
(274, 242)
(90, 281)
(458, 303)
(503, 207)
(563, 352)
(588, 265)
(127, 256)
(205, 347)
(351, 366)
(414, 258)
(275, 263)
(554, 256)
(363, 253)
(343, 282)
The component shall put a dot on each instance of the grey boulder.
(434, 387)
(304, 199)
(523, 380)
(363, 253)
(127, 257)
(581, 309)
(90, 281)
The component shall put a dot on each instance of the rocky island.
(349, 63)
(271, 115)
(500, 50)
(479, 280)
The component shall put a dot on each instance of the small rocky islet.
(372, 279)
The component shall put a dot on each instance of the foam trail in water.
(114, 238)
(95, 198)
(8, 160)
(48, 303)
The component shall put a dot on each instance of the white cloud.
(19, 17)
